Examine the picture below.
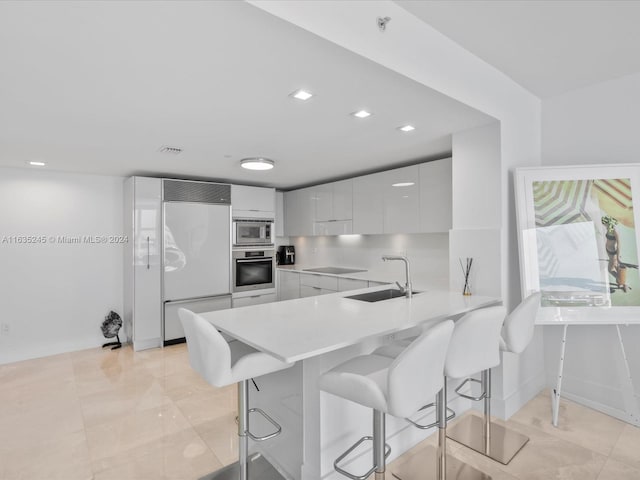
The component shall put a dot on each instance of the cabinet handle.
(148, 252)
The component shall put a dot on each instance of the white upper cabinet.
(343, 200)
(253, 202)
(323, 195)
(412, 199)
(334, 201)
(279, 214)
(299, 212)
(436, 196)
(367, 204)
(401, 189)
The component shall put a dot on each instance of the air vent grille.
(201, 192)
(169, 149)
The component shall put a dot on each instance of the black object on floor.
(110, 328)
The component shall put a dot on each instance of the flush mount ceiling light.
(403, 184)
(37, 164)
(361, 114)
(407, 128)
(257, 163)
(301, 95)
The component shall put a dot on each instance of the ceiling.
(99, 87)
(548, 47)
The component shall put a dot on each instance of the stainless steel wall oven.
(253, 269)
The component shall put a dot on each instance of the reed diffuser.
(466, 271)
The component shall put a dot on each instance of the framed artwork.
(578, 241)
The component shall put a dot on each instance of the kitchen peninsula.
(318, 333)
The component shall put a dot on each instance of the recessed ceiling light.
(361, 114)
(301, 95)
(37, 164)
(257, 163)
(403, 184)
(407, 128)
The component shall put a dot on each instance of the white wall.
(593, 125)
(54, 295)
(428, 253)
(415, 49)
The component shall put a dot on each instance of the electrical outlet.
(390, 338)
(5, 329)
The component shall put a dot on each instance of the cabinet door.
(343, 200)
(435, 196)
(323, 196)
(307, 291)
(299, 212)
(279, 214)
(147, 221)
(346, 284)
(255, 300)
(288, 285)
(252, 199)
(402, 201)
(368, 204)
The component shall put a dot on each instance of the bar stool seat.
(474, 345)
(221, 364)
(481, 434)
(396, 386)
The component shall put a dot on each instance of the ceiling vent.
(171, 150)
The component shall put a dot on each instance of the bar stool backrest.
(417, 373)
(517, 330)
(209, 353)
(475, 343)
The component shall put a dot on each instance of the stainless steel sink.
(333, 270)
(387, 294)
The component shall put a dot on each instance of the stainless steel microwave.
(252, 232)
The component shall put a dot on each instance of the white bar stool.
(396, 386)
(221, 364)
(480, 434)
(475, 343)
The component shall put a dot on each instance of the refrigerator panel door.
(173, 328)
(197, 250)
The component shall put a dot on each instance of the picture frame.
(578, 239)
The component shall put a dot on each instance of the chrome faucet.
(407, 289)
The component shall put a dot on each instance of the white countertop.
(293, 330)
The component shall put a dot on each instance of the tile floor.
(122, 415)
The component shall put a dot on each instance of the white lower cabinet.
(254, 300)
(288, 285)
(346, 284)
(301, 285)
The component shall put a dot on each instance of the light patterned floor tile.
(614, 470)
(580, 425)
(627, 450)
(63, 457)
(134, 432)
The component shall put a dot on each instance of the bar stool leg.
(420, 466)
(441, 413)
(480, 434)
(243, 427)
(379, 435)
(486, 387)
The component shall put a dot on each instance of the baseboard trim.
(606, 409)
(504, 408)
(146, 344)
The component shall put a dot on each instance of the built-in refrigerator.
(196, 251)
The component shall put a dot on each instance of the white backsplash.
(427, 252)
